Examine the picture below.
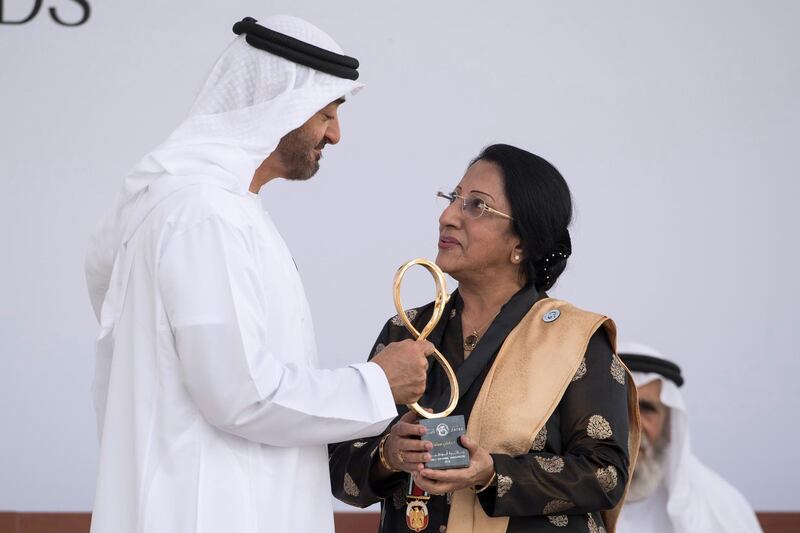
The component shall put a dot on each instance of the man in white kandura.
(212, 412)
(671, 490)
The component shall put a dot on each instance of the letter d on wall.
(37, 5)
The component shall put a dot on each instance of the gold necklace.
(471, 340)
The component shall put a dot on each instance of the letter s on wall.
(87, 11)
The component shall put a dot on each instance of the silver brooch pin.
(550, 316)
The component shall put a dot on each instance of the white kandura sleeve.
(208, 283)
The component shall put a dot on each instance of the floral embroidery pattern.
(617, 370)
(556, 506)
(607, 477)
(581, 371)
(359, 443)
(593, 527)
(540, 440)
(503, 485)
(552, 465)
(411, 314)
(350, 487)
(559, 520)
(599, 428)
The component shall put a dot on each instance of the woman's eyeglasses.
(472, 206)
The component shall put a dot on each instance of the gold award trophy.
(443, 430)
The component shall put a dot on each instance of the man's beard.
(649, 471)
(296, 153)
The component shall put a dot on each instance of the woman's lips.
(447, 242)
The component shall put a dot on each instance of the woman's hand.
(403, 449)
(477, 474)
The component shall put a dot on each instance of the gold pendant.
(417, 515)
(470, 342)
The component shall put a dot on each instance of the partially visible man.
(212, 412)
(671, 490)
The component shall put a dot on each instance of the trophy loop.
(438, 310)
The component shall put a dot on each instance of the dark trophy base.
(447, 451)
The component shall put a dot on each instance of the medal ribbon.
(414, 492)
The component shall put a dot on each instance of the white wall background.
(677, 125)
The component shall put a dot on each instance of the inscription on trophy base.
(447, 451)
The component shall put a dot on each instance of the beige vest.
(532, 371)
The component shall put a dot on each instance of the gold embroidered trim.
(552, 465)
(350, 487)
(503, 485)
(556, 506)
(581, 371)
(559, 520)
(607, 477)
(599, 428)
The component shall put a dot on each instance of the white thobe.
(212, 412)
(648, 515)
(704, 503)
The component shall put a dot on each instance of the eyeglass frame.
(451, 197)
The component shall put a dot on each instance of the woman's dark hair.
(541, 205)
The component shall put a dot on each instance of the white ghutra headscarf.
(251, 99)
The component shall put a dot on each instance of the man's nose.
(647, 428)
(333, 134)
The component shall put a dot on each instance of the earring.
(516, 258)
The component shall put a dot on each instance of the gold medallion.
(417, 515)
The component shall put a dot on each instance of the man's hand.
(406, 368)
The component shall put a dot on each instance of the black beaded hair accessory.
(297, 51)
(648, 363)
